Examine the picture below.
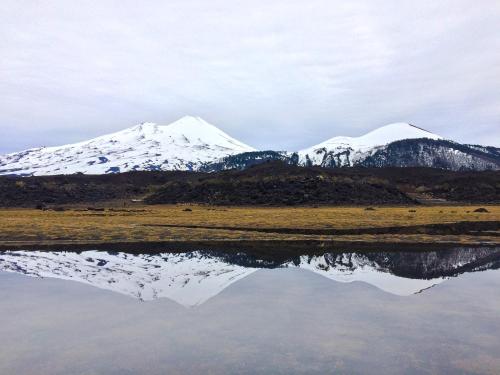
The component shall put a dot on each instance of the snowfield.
(183, 145)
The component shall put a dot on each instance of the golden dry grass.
(145, 224)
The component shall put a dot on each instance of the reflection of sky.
(279, 321)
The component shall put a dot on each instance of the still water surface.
(213, 312)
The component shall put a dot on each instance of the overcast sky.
(274, 74)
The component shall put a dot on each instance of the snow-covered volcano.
(183, 145)
(349, 150)
(193, 144)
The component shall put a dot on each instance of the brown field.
(206, 223)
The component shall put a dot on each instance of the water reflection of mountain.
(191, 278)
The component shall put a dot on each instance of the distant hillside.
(278, 183)
(435, 154)
(249, 159)
(270, 183)
(80, 188)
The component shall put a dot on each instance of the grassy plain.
(207, 223)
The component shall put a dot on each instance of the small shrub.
(481, 209)
(421, 189)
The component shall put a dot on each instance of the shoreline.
(264, 247)
(186, 226)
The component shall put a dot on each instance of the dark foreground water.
(209, 312)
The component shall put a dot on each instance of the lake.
(216, 312)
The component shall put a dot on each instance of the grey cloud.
(275, 74)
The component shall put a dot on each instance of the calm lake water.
(210, 312)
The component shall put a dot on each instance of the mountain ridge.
(193, 144)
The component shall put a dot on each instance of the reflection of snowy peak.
(183, 145)
(349, 267)
(194, 277)
(188, 278)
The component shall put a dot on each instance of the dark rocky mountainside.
(271, 183)
(435, 154)
(79, 188)
(422, 152)
(281, 184)
(248, 159)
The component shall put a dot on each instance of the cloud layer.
(275, 74)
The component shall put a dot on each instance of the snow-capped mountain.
(193, 144)
(183, 145)
(394, 145)
(347, 151)
(192, 278)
